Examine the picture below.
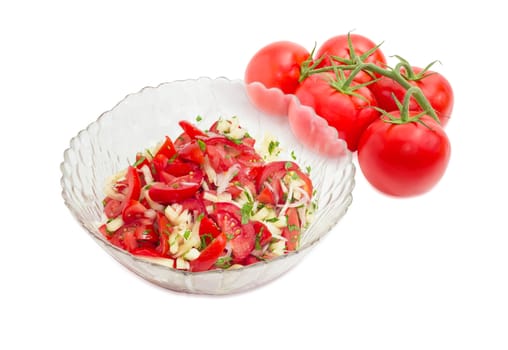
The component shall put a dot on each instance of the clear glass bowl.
(144, 118)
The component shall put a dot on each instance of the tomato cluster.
(394, 117)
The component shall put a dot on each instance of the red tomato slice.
(271, 168)
(228, 223)
(167, 148)
(243, 244)
(129, 240)
(141, 161)
(146, 236)
(164, 230)
(133, 211)
(263, 234)
(179, 189)
(133, 186)
(113, 208)
(228, 208)
(292, 231)
(266, 196)
(210, 254)
(208, 226)
(145, 251)
(182, 140)
(191, 129)
(193, 152)
(177, 167)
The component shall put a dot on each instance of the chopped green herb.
(205, 239)
(175, 185)
(272, 146)
(246, 212)
(202, 145)
(199, 118)
(272, 220)
(247, 194)
(139, 161)
(257, 245)
(229, 236)
(293, 155)
(109, 220)
(187, 234)
(293, 228)
(308, 168)
(172, 159)
(247, 135)
(104, 203)
(314, 192)
(223, 262)
(149, 152)
(200, 217)
(288, 165)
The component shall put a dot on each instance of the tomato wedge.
(133, 186)
(179, 189)
(243, 244)
(210, 254)
(191, 130)
(167, 148)
(292, 231)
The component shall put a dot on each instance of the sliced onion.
(223, 179)
(147, 174)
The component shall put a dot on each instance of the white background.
(422, 273)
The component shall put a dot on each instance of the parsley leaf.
(246, 212)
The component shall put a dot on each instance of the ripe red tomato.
(404, 159)
(277, 65)
(338, 46)
(434, 86)
(349, 114)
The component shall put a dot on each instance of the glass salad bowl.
(109, 145)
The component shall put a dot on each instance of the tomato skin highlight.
(434, 86)
(338, 46)
(349, 115)
(277, 65)
(404, 160)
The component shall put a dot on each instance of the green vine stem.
(388, 72)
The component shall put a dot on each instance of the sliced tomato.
(133, 211)
(229, 208)
(193, 152)
(210, 254)
(113, 208)
(271, 168)
(228, 223)
(292, 231)
(104, 231)
(141, 161)
(249, 260)
(164, 229)
(194, 205)
(182, 140)
(180, 188)
(133, 186)
(146, 236)
(167, 148)
(129, 240)
(158, 164)
(190, 129)
(243, 244)
(178, 167)
(266, 196)
(145, 251)
(263, 234)
(208, 227)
